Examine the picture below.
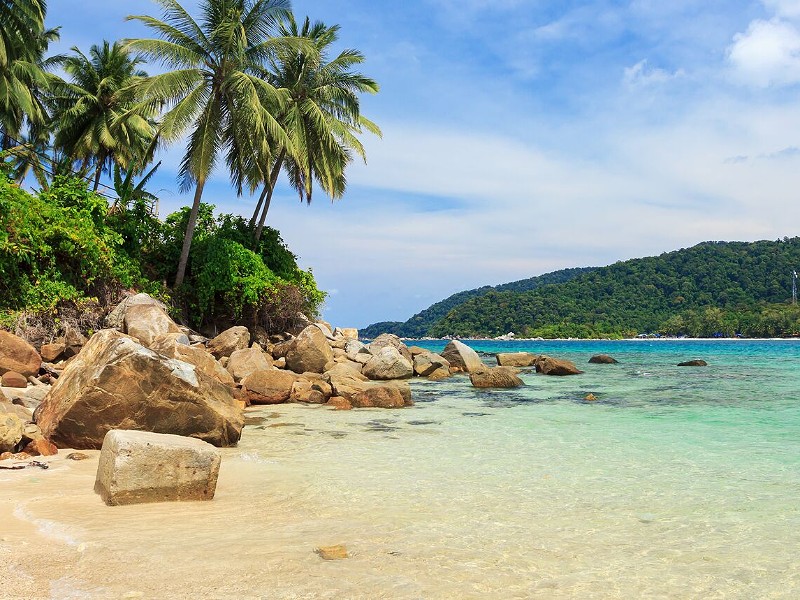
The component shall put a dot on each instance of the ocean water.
(674, 483)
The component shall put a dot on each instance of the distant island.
(713, 289)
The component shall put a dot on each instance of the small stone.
(77, 456)
(339, 403)
(41, 447)
(337, 552)
(590, 397)
(13, 379)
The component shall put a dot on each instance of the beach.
(675, 483)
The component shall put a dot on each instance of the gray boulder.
(388, 363)
(310, 351)
(464, 358)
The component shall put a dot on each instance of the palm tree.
(93, 115)
(214, 89)
(23, 42)
(322, 117)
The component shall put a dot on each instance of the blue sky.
(524, 136)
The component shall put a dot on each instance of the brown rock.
(246, 361)
(302, 391)
(52, 352)
(378, 397)
(15, 456)
(693, 363)
(603, 359)
(426, 363)
(171, 346)
(269, 386)
(440, 374)
(230, 340)
(332, 552)
(497, 377)
(556, 366)
(350, 333)
(388, 363)
(516, 359)
(146, 322)
(18, 355)
(339, 403)
(590, 397)
(310, 351)
(77, 456)
(41, 447)
(462, 357)
(115, 383)
(14, 380)
(11, 430)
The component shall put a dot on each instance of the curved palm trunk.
(187, 238)
(98, 172)
(263, 195)
(273, 179)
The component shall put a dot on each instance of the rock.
(603, 359)
(116, 318)
(52, 352)
(326, 329)
(77, 456)
(304, 391)
(11, 430)
(140, 466)
(280, 363)
(461, 356)
(378, 397)
(29, 397)
(13, 379)
(389, 340)
(73, 340)
(230, 340)
(516, 359)
(116, 383)
(440, 374)
(172, 346)
(591, 397)
(310, 351)
(693, 363)
(18, 355)
(146, 322)
(281, 349)
(388, 363)
(497, 377)
(350, 333)
(246, 361)
(556, 366)
(15, 456)
(22, 413)
(427, 362)
(40, 447)
(268, 386)
(338, 403)
(332, 552)
(353, 347)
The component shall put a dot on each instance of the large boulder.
(310, 351)
(230, 340)
(556, 366)
(516, 359)
(116, 318)
(497, 377)
(693, 363)
(427, 363)
(146, 322)
(140, 466)
(385, 340)
(378, 397)
(388, 363)
(11, 429)
(18, 355)
(268, 386)
(246, 361)
(172, 345)
(116, 383)
(461, 356)
(603, 359)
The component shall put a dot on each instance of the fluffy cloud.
(642, 74)
(768, 53)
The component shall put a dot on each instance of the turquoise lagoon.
(675, 483)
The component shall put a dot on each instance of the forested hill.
(712, 289)
(420, 324)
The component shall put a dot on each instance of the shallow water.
(675, 483)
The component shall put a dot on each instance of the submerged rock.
(337, 552)
(516, 359)
(693, 363)
(497, 377)
(603, 359)
(556, 366)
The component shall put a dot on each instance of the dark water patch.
(424, 422)
(253, 420)
(381, 425)
(475, 414)
(286, 425)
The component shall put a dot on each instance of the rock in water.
(140, 466)
(427, 363)
(556, 366)
(516, 359)
(18, 355)
(498, 377)
(603, 359)
(388, 363)
(693, 363)
(459, 355)
(116, 383)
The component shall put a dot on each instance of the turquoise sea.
(675, 483)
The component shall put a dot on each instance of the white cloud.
(642, 74)
(785, 8)
(768, 53)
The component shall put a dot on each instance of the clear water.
(675, 483)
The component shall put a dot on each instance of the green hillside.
(714, 288)
(420, 324)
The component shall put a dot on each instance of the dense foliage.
(64, 245)
(420, 324)
(712, 289)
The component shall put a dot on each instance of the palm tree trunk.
(187, 238)
(273, 179)
(98, 172)
(258, 208)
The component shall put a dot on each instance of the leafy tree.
(214, 88)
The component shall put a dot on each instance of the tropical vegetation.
(252, 90)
